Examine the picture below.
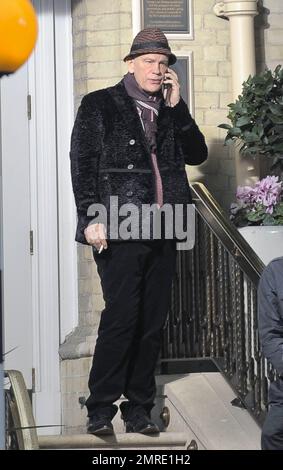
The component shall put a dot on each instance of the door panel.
(16, 224)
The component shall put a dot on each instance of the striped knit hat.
(151, 41)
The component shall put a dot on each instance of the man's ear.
(130, 64)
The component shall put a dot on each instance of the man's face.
(149, 70)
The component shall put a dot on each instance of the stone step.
(163, 440)
(203, 404)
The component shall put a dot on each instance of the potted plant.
(257, 118)
(259, 205)
(258, 213)
(257, 128)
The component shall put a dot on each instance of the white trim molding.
(68, 275)
(46, 399)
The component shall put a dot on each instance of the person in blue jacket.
(270, 317)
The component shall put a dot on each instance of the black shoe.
(137, 418)
(100, 426)
(141, 424)
(99, 422)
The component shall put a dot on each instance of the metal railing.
(213, 311)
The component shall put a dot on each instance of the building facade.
(98, 34)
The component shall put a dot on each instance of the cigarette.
(100, 249)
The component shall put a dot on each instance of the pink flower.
(245, 194)
(259, 205)
(268, 192)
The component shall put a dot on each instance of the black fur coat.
(110, 155)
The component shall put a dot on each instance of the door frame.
(67, 220)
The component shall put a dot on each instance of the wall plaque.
(174, 17)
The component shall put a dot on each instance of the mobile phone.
(166, 87)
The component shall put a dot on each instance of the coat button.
(132, 142)
(131, 166)
(129, 193)
(105, 177)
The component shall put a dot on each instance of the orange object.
(18, 33)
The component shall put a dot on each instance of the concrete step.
(200, 404)
(164, 440)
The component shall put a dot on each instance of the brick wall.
(102, 34)
(273, 32)
(212, 93)
(74, 375)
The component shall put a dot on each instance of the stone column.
(241, 15)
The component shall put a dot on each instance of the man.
(129, 143)
(270, 322)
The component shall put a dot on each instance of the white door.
(38, 215)
(17, 301)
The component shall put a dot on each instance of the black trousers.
(136, 278)
(272, 431)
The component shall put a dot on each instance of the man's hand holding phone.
(171, 88)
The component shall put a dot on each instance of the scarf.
(147, 106)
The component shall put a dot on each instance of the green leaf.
(254, 217)
(278, 147)
(228, 140)
(250, 137)
(253, 150)
(243, 121)
(269, 220)
(225, 126)
(276, 109)
(279, 209)
(276, 119)
(235, 131)
(273, 138)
